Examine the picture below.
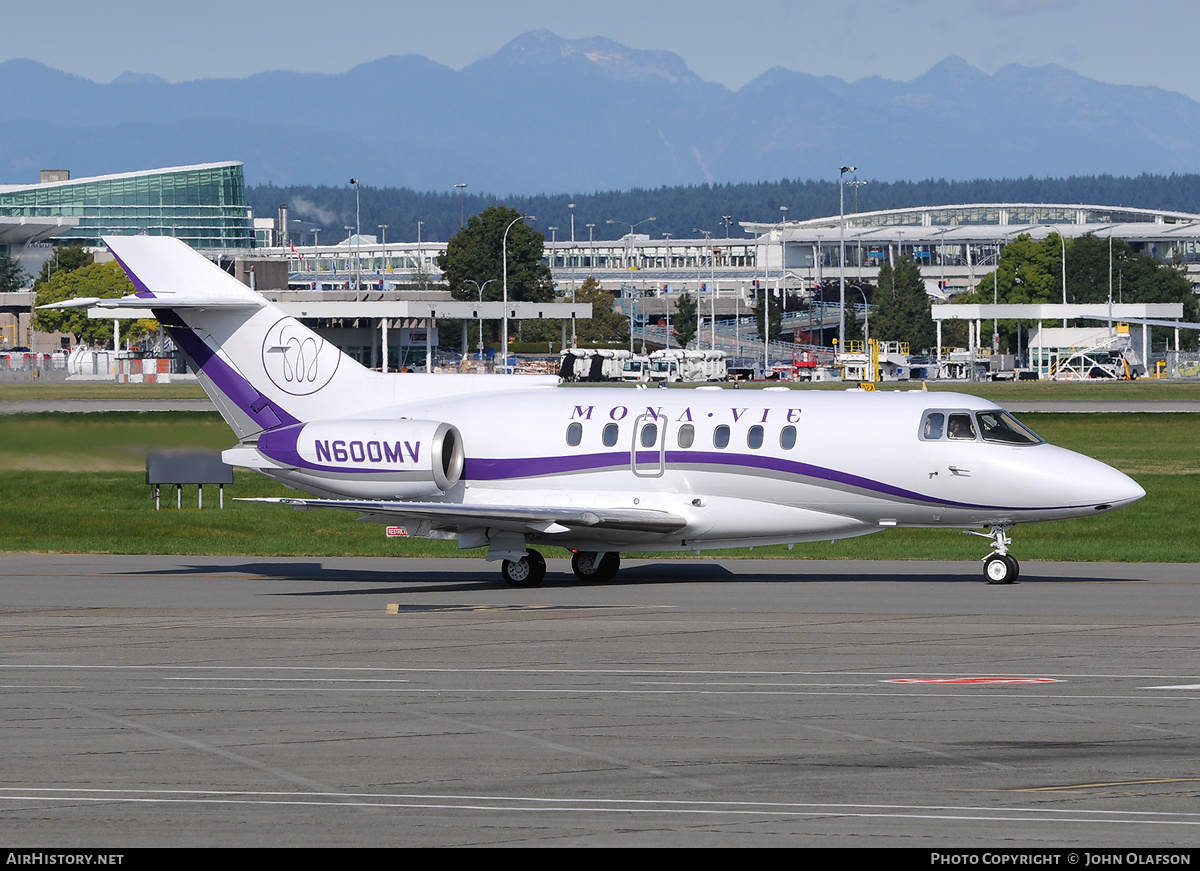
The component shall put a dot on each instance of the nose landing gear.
(999, 566)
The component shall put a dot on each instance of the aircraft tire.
(595, 567)
(528, 571)
(1000, 569)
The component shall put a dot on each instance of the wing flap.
(536, 518)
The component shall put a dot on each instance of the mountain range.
(546, 114)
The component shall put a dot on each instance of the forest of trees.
(681, 210)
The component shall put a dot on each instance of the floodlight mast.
(504, 314)
(842, 255)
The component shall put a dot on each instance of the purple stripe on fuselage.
(499, 469)
(282, 445)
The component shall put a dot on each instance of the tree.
(105, 280)
(1032, 272)
(683, 321)
(902, 311)
(605, 325)
(12, 276)
(475, 255)
(65, 259)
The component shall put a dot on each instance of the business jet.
(506, 462)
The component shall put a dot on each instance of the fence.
(1182, 364)
(25, 361)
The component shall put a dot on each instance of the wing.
(515, 518)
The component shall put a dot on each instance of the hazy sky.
(1114, 41)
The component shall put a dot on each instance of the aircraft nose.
(1107, 486)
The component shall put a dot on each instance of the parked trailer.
(592, 364)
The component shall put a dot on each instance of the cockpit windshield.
(1000, 426)
(961, 425)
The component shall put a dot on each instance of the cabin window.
(574, 434)
(754, 438)
(649, 435)
(609, 436)
(961, 427)
(687, 435)
(721, 437)
(935, 424)
(787, 438)
(997, 426)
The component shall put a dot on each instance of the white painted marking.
(521, 804)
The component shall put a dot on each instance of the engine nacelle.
(378, 459)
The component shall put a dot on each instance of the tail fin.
(261, 367)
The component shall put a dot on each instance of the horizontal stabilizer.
(536, 518)
(163, 300)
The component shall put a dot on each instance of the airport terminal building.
(956, 247)
(204, 205)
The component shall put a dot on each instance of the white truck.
(676, 365)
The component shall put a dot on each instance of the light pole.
(727, 220)
(1063, 238)
(571, 208)
(866, 315)
(629, 238)
(554, 253)
(856, 185)
(479, 288)
(349, 235)
(383, 231)
(462, 204)
(842, 254)
(504, 314)
(420, 257)
(357, 238)
(590, 227)
(712, 291)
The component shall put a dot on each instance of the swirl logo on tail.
(298, 362)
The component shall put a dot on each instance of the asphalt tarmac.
(208, 701)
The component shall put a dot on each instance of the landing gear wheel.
(1000, 569)
(528, 571)
(595, 567)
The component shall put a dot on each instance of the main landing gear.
(530, 569)
(595, 567)
(999, 566)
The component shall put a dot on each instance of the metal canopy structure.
(25, 231)
(1132, 311)
(455, 310)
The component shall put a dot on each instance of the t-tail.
(261, 367)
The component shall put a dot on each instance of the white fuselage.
(855, 463)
